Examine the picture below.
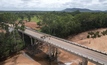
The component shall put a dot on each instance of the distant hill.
(81, 10)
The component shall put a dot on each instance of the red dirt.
(32, 25)
(96, 43)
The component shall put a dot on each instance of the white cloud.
(51, 4)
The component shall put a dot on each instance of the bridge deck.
(89, 54)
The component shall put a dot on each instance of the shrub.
(88, 36)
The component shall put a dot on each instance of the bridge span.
(88, 54)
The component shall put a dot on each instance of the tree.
(29, 18)
(59, 25)
(10, 41)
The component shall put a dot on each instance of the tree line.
(63, 24)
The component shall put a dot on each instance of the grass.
(24, 19)
(34, 19)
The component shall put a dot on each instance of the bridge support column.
(31, 41)
(84, 61)
(53, 53)
(35, 41)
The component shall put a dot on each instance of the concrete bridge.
(88, 54)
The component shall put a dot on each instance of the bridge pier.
(53, 53)
(32, 43)
(84, 61)
(35, 41)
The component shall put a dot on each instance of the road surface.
(89, 54)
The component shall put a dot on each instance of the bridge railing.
(79, 45)
(68, 41)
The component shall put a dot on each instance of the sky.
(52, 5)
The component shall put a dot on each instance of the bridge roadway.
(89, 54)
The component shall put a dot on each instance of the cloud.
(51, 4)
(102, 0)
(25, 0)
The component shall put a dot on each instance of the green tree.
(10, 41)
(59, 25)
